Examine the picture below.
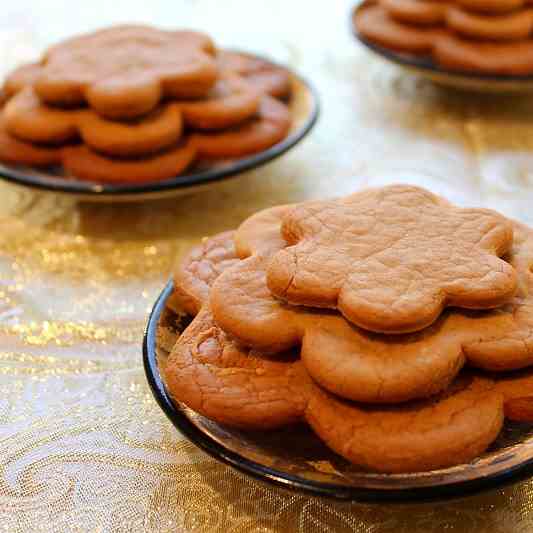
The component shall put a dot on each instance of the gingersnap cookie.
(453, 428)
(202, 265)
(373, 22)
(514, 59)
(198, 270)
(270, 126)
(391, 259)
(373, 368)
(30, 120)
(216, 377)
(86, 164)
(419, 12)
(512, 26)
(263, 75)
(230, 102)
(492, 6)
(18, 152)
(125, 71)
(260, 233)
(344, 359)
(23, 76)
(517, 391)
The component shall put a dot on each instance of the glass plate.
(304, 106)
(295, 457)
(427, 68)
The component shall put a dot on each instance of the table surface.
(83, 446)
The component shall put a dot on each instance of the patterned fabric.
(83, 446)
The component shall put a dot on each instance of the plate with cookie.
(131, 112)
(475, 45)
(377, 346)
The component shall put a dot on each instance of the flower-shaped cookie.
(354, 363)
(391, 259)
(29, 120)
(125, 71)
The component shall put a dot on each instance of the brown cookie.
(261, 74)
(125, 71)
(86, 164)
(30, 120)
(417, 12)
(232, 385)
(374, 24)
(492, 6)
(230, 102)
(514, 59)
(270, 126)
(508, 27)
(342, 358)
(514, 25)
(21, 153)
(453, 428)
(391, 259)
(260, 233)
(21, 77)
(517, 391)
(197, 271)
(374, 368)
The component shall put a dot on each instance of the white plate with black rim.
(295, 458)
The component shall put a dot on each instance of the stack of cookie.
(493, 37)
(388, 320)
(134, 103)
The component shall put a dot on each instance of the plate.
(308, 465)
(304, 107)
(427, 68)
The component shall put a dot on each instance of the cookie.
(198, 270)
(21, 77)
(260, 233)
(85, 164)
(232, 385)
(265, 76)
(373, 368)
(374, 24)
(125, 71)
(514, 59)
(508, 27)
(270, 126)
(517, 391)
(18, 152)
(391, 259)
(30, 120)
(344, 359)
(230, 102)
(492, 6)
(417, 12)
(451, 429)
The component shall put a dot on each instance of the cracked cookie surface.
(125, 71)
(391, 259)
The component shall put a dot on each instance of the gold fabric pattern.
(83, 446)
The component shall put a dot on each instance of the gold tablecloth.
(83, 446)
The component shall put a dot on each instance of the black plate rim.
(426, 63)
(87, 188)
(292, 482)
